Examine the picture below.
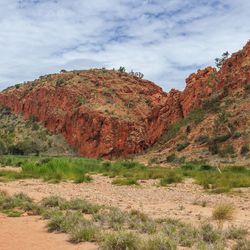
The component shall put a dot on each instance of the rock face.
(101, 113)
(106, 113)
(200, 86)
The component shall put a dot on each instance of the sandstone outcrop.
(107, 113)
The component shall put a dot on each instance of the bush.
(244, 150)
(171, 158)
(227, 150)
(202, 139)
(60, 82)
(3, 147)
(180, 147)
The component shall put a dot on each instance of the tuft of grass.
(83, 206)
(234, 233)
(242, 245)
(171, 177)
(53, 201)
(121, 240)
(125, 181)
(209, 234)
(159, 242)
(223, 212)
(84, 231)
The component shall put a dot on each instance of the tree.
(219, 61)
(122, 69)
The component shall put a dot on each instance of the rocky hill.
(101, 113)
(109, 113)
(215, 126)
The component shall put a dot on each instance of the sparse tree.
(219, 61)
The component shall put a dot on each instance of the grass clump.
(121, 240)
(159, 242)
(125, 181)
(223, 212)
(242, 245)
(209, 234)
(82, 206)
(234, 233)
(171, 177)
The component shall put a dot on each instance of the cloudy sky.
(164, 39)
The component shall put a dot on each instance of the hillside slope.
(216, 123)
(108, 113)
(18, 136)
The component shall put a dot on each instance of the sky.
(166, 40)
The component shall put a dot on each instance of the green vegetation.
(26, 137)
(219, 61)
(194, 117)
(114, 229)
(127, 172)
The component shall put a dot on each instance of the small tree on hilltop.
(122, 69)
(219, 61)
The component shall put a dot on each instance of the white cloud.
(166, 40)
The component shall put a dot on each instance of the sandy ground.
(182, 201)
(29, 233)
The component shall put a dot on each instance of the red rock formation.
(200, 86)
(100, 113)
(104, 113)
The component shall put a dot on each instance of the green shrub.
(171, 158)
(202, 139)
(244, 149)
(227, 150)
(180, 147)
(172, 177)
(60, 82)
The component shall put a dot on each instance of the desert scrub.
(9, 203)
(121, 240)
(84, 232)
(115, 229)
(171, 177)
(234, 233)
(223, 212)
(209, 234)
(159, 242)
(124, 181)
(242, 245)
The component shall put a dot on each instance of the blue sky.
(165, 39)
